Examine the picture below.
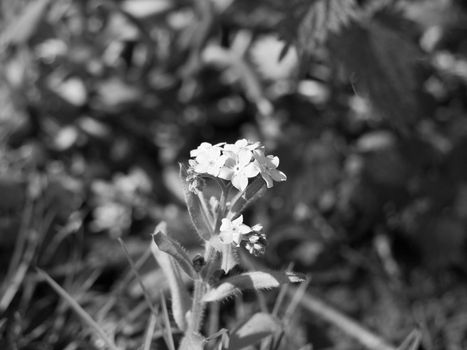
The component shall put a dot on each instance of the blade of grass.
(149, 332)
(297, 296)
(281, 295)
(169, 336)
(368, 339)
(77, 308)
(122, 284)
(138, 277)
(18, 276)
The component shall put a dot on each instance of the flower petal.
(244, 229)
(266, 177)
(237, 221)
(251, 170)
(226, 173)
(226, 225)
(239, 181)
(274, 161)
(244, 157)
(277, 175)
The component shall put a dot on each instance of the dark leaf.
(195, 209)
(174, 249)
(380, 61)
(255, 280)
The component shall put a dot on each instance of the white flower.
(238, 168)
(241, 146)
(268, 168)
(232, 231)
(208, 159)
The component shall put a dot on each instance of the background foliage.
(364, 102)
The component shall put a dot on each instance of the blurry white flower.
(232, 231)
(268, 168)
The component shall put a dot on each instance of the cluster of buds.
(234, 165)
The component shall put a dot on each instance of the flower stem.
(197, 309)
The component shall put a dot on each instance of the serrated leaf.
(255, 280)
(412, 342)
(251, 332)
(179, 295)
(307, 24)
(195, 209)
(175, 250)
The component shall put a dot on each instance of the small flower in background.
(231, 231)
(268, 168)
(113, 217)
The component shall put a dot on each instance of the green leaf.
(181, 300)
(174, 249)
(251, 332)
(229, 257)
(381, 61)
(255, 280)
(307, 24)
(195, 208)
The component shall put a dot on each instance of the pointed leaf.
(381, 60)
(250, 281)
(229, 257)
(174, 249)
(258, 327)
(309, 23)
(181, 300)
(195, 208)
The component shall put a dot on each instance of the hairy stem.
(197, 309)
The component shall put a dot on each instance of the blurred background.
(364, 102)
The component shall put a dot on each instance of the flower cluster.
(236, 232)
(236, 163)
